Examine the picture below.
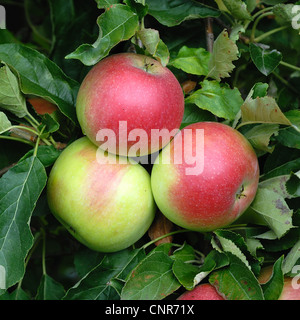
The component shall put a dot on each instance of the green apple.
(104, 201)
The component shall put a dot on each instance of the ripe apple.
(105, 203)
(202, 292)
(289, 292)
(206, 177)
(129, 95)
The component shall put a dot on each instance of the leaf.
(193, 114)
(274, 210)
(238, 9)
(20, 189)
(291, 259)
(284, 12)
(294, 118)
(213, 261)
(260, 135)
(273, 288)
(46, 154)
(116, 24)
(173, 13)
(293, 185)
(152, 279)
(104, 282)
(41, 77)
(224, 52)
(236, 282)
(49, 289)
(266, 61)
(282, 161)
(217, 98)
(11, 98)
(185, 273)
(263, 110)
(5, 124)
(192, 60)
(103, 4)
(233, 243)
(289, 137)
(183, 268)
(154, 45)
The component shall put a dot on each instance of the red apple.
(202, 292)
(206, 177)
(129, 95)
(290, 291)
(106, 205)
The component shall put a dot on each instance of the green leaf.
(213, 261)
(238, 9)
(116, 24)
(259, 90)
(284, 12)
(265, 60)
(49, 289)
(282, 161)
(138, 7)
(46, 154)
(173, 13)
(289, 137)
(41, 77)
(224, 52)
(11, 98)
(294, 118)
(274, 210)
(293, 185)
(104, 282)
(233, 243)
(183, 268)
(217, 98)
(5, 124)
(236, 282)
(273, 288)
(20, 189)
(152, 279)
(291, 259)
(193, 114)
(185, 273)
(154, 45)
(103, 4)
(192, 60)
(259, 136)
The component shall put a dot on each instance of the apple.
(134, 98)
(105, 204)
(206, 177)
(202, 292)
(289, 291)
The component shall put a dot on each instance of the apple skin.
(202, 292)
(105, 206)
(288, 292)
(133, 88)
(219, 194)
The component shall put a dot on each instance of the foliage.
(237, 63)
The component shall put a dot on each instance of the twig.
(209, 34)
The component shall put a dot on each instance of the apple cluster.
(106, 199)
